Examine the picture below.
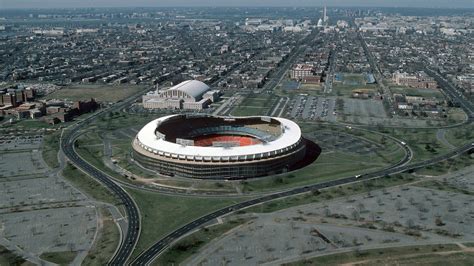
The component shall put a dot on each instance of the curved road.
(184, 192)
(131, 237)
(151, 253)
(68, 139)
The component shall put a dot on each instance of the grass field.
(29, 124)
(102, 93)
(50, 149)
(447, 166)
(460, 135)
(191, 244)
(410, 255)
(255, 105)
(428, 93)
(9, 258)
(88, 186)
(346, 90)
(161, 213)
(107, 241)
(332, 193)
(328, 166)
(423, 142)
(61, 258)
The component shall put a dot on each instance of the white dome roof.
(193, 88)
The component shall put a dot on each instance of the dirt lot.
(102, 93)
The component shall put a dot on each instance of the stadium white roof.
(193, 88)
(148, 140)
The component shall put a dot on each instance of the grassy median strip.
(191, 244)
(107, 241)
(50, 149)
(161, 214)
(88, 185)
(7, 257)
(329, 194)
(61, 258)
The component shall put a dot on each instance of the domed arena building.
(212, 147)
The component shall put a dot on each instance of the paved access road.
(151, 253)
(131, 237)
(68, 139)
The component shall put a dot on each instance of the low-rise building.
(419, 80)
(190, 94)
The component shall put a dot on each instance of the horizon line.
(232, 6)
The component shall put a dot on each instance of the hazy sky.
(158, 3)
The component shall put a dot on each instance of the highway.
(146, 257)
(131, 236)
(452, 93)
(133, 216)
(68, 139)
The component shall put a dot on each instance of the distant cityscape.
(237, 136)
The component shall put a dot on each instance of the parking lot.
(364, 111)
(399, 216)
(39, 210)
(50, 230)
(312, 108)
(13, 142)
(332, 140)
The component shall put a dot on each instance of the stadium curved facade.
(212, 147)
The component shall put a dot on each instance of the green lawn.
(9, 258)
(328, 166)
(460, 135)
(191, 244)
(61, 258)
(255, 104)
(332, 193)
(160, 214)
(93, 154)
(423, 142)
(447, 166)
(50, 149)
(428, 93)
(346, 90)
(88, 185)
(106, 243)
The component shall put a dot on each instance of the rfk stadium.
(212, 147)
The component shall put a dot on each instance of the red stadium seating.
(208, 140)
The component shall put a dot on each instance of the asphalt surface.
(131, 237)
(453, 94)
(68, 139)
(151, 253)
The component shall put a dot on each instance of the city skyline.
(231, 3)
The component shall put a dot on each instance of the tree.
(410, 223)
(451, 207)
(399, 205)
(380, 201)
(355, 215)
(327, 212)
